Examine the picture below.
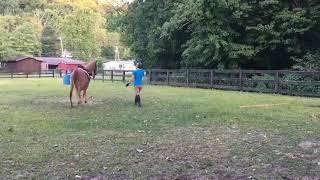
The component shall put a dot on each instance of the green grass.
(184, 133)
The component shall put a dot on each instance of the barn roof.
(58, 60)
(48, 60)
(21, 58)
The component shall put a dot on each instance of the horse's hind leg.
(85, 96)
(79, 96)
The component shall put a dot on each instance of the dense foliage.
(260, 34)
(255, 34)
(50, 42)
(43, 27)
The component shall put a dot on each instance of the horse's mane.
(92, 67)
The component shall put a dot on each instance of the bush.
(263, 86)
(300, 87)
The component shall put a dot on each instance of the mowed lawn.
(179, 133)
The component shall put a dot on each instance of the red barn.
(68, 66)
(24, 65)
(59, 63)
(37, 64)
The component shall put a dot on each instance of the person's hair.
(138, 65)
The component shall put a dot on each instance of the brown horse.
(80, 79)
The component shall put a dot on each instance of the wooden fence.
(114, 75)
(266, 81)
(13, 75)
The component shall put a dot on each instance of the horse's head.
(92, 68)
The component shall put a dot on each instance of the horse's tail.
(95, 70)
(72, 86)
(71, 90)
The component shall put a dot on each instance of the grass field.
(179, 133)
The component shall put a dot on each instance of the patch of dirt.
(196, 153)
(183, 153)
(307, 145)
(90, 177)
(65, 101)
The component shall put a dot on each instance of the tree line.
(224, 34)
(85, 28)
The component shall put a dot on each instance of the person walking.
(137, 80)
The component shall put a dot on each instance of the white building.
(119, 65)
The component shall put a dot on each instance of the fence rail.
(114, 75)
(266, 81)
(13, 75)
(273, 81)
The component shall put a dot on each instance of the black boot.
(139, 100)
(136, 100)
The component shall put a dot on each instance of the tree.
(248, 34)
(92, 5)
(309, 58)
(113, 20)
(25, 40)
(80, 23)
(141, 32)
(9, 7)
(5, 50)
(259, 34)
(309, 62)
(30, 5)
(210, 40)
(277, 32)
(83, 34)
(19, 36)
(50, 42)
(14, 7)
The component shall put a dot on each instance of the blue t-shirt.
(138, 77)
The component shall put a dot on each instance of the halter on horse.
(80, 80)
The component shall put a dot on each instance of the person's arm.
(131, 80)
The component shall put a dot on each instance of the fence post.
(150, 76)
(240, 79)
(187, 77)
(103, 71)
(167, 76)
(11, 74)
(211, 78)
(40, 74)
(27, 75)
(112, 75)
(60, 73)
(276, 82)
(52, 73)
(124, 76)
